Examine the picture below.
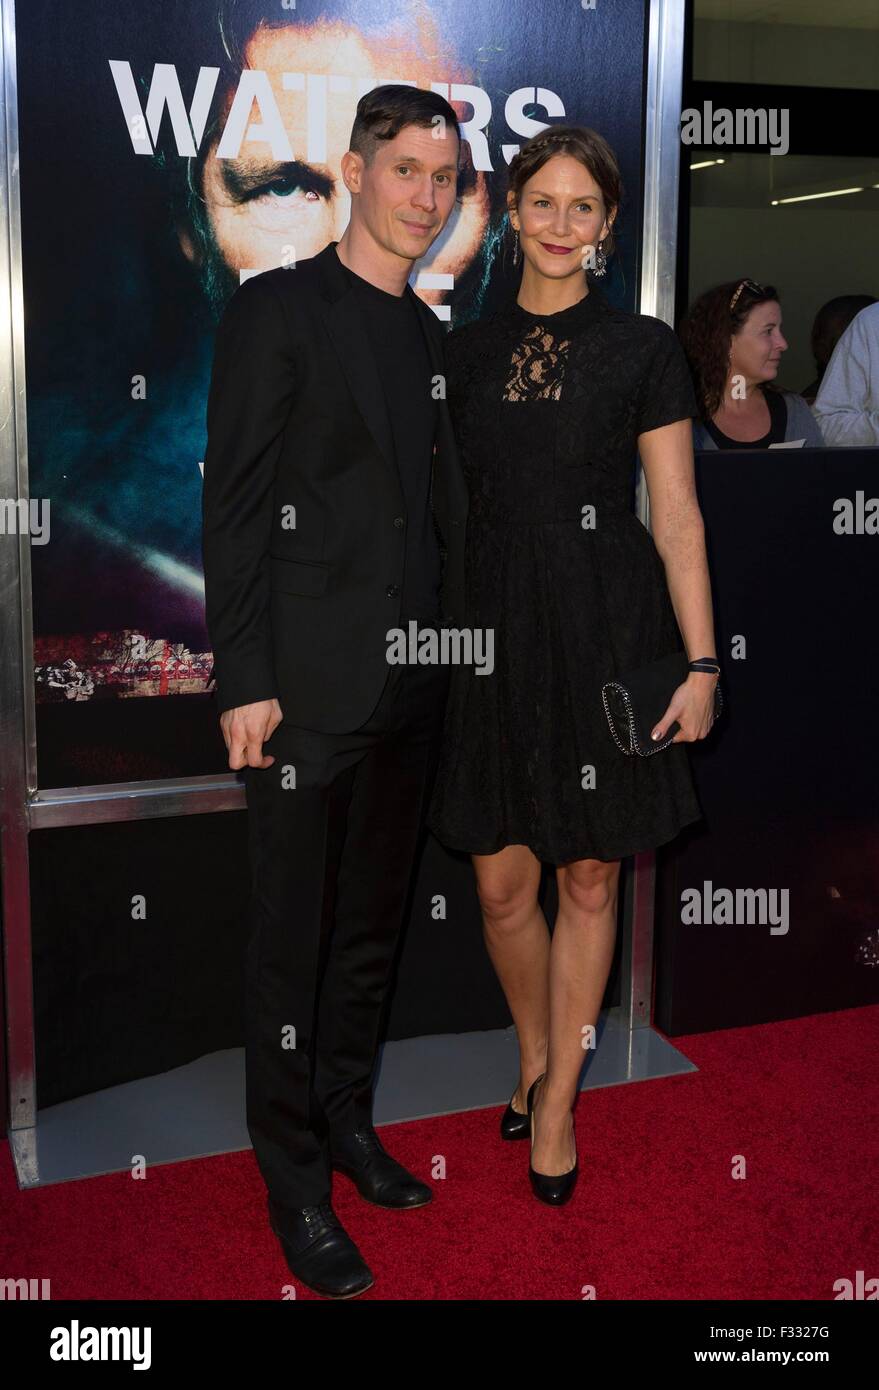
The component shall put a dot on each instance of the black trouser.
(334, 825)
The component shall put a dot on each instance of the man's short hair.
(383, 112)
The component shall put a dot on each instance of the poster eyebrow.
(243, 176)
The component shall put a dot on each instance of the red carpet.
(656, 1213)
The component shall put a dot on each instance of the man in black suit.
(334, 510)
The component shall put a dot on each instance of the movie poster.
(168, 151)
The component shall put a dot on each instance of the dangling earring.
(600, 267)
(516, 250)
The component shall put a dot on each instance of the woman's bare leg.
(580, 960)
(517, 940)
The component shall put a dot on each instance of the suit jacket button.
(399, 522)
(393, 591)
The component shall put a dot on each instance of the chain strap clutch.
(635, 702)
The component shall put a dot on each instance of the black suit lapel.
(351, 342)
(352, 345)
(445, 444)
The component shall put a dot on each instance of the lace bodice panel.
(538, 366)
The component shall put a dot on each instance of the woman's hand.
(692, 705)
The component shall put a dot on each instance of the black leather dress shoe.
(515, 1125)
(552, 1188)
(377, 1177)
(319, 1251)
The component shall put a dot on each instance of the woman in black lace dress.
(552, 398)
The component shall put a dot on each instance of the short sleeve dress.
(547, 410)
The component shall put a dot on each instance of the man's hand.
(245, 729)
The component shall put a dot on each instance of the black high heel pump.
(514, 1125)
(552, 1188)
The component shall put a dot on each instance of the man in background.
(847, 404)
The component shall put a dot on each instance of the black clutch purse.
(635, 702)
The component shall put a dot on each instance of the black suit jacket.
(303, 517)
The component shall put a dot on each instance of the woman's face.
(755, 351)
(560, 212)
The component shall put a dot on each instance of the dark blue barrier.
(788, 777)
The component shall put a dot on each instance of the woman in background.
(733, 341)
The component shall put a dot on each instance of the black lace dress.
(547, 411)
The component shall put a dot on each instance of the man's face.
(262, 213)
(407, 192)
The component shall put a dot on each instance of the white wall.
(812, 254)
(805, 55)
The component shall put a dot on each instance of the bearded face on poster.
(276, 196)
